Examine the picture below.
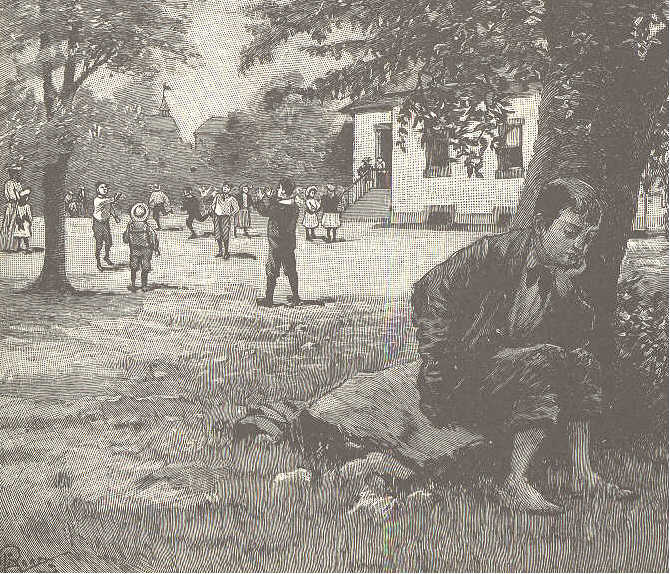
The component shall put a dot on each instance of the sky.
(215, 87)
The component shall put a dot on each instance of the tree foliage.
(282, 132)
(481, 50)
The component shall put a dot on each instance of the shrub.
(642, 340)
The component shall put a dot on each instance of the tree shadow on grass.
(242, 255)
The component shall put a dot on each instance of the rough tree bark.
(611, 158)
(53, 277)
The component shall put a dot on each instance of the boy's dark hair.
(287, 184)
(226, 184)
(568, 193)
(98, 184)
(188, 188)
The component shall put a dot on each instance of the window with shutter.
(510, 150)
(438, 153)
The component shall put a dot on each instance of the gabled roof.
(396, 92)
(214, 125)
(161, 124)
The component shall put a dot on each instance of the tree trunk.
(611, 159)
(54, 276)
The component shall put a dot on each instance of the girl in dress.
(310, 220)
(24, 221)
(330, 204)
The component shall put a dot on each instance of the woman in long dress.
(13, 189)
(310, 220)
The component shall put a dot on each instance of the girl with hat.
(13, 188)
(310, 220)
(330, 204)
(24, 221)
(143, 243)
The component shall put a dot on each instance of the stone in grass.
(420, 498)
(297, 479)
(375, 464)
(374, 505)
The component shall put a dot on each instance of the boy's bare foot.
(265, 302)
(592, 483)
(132, 288)
(109, 261)
(518, 494)
(219, 254)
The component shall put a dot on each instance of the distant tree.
(58, 47)
(603, 66)
(123, 149)
(282, 132)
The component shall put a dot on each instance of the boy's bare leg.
(517, 492)
(584, 478)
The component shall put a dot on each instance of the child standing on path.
(24, 221)
(143, 242)
(243, 218)
(224, 208)
(310, 220)
(330, 204)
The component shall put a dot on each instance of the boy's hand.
(117, 219)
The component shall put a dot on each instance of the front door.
(383, 149)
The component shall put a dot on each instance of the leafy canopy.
(482, 50)
(58, 46)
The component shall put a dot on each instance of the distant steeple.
(164, 109)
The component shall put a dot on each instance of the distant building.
(205, 137)
(162, 124)
(424, 181)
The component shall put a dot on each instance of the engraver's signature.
(12, 560)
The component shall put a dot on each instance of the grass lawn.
(116, 412)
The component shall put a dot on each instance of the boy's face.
(567, 239)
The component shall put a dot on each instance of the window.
(438, 154)
(510, 150)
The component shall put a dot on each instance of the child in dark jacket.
(143, 242)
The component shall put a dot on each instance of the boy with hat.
(24, 221)
(224, 209)
(143, 243)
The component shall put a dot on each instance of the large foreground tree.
(602, 66)
(57, 48)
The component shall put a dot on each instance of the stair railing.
(356, 190)
(373, 178)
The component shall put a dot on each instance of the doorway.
(383, 150)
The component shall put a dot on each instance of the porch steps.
(375, 205)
